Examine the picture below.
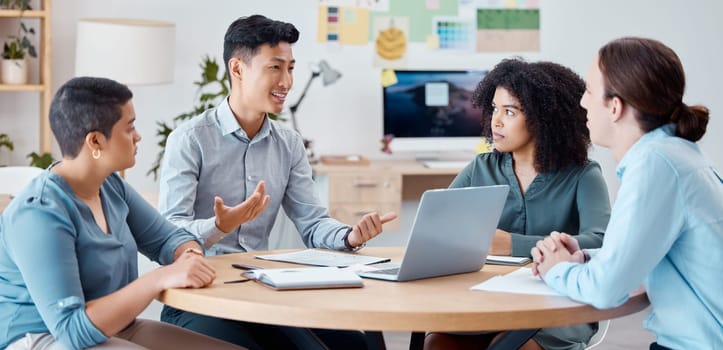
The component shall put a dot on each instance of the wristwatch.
(346, 241)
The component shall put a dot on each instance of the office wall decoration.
(455, 33)
(510, 26)
(343, 25)
(390, 43)
(419, 15)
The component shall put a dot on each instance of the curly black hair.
(549, 95)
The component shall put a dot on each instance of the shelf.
(22, 88)
(43, 15)
(25, 14)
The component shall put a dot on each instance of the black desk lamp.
(328, 76)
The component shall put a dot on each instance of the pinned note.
(389, 78)
(483, 147)
(433, 41)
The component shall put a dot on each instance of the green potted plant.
(6, 142)
(14, 64)
(42, 161)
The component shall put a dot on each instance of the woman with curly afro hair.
(531, 113)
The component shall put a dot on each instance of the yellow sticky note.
(433, 41)
(389, 78)
(511, 4)
(483, 147)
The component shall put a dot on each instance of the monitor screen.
(432, 104)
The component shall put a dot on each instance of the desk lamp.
(328, 76)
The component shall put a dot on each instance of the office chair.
(14, 178)
(600, 335)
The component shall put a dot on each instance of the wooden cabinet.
(351, 196)
(354, 190)
(40, 20)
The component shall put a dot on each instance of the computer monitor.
(431, 111)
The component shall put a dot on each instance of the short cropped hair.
(245, 35)
(549, 95)
(83, 105)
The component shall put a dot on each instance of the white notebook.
(507, 260)
(306, 278)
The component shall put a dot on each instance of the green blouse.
(572, 200)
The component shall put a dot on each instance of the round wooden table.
(434, 304)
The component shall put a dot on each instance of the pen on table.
(244, 267)
(238, 281)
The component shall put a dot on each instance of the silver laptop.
(452, 233)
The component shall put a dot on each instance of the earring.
(96, 154)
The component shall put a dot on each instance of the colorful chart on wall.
(344, 25)
(454, 33)
(466, 25)
(507, 25)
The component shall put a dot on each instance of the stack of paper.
(306, 278)
(520, 281)
(507, 260)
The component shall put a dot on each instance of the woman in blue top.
(69, 241)
(532, 113)
(666, 228)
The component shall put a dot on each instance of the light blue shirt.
(666, 231)
(54, 257)
(211, 155)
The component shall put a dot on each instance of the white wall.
(572, 31)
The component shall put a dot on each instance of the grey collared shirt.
(211, 155)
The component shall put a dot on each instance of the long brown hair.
(648, 75)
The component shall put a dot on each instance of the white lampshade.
(130, 51)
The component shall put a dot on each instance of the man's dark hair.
(245, 35)
(83, 105)
(549, 95)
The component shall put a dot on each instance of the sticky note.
(483, 147)
(432, 4)
(433, 41)
(389, 78)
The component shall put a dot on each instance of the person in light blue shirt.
(666, 227)
(226, 173)
(69, 241)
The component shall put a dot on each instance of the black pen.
(244, 267)
(238, 281)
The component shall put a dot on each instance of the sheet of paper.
(319, 257)
(520, 281)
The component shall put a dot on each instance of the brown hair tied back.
(648, 75)
(691, 122)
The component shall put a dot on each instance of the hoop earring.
(96, 154)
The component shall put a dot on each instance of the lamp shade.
(130, 51)
(328, 75)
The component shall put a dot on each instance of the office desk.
(435, 304)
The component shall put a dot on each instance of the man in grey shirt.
(226, 173)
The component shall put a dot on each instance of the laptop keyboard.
(391, 272)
